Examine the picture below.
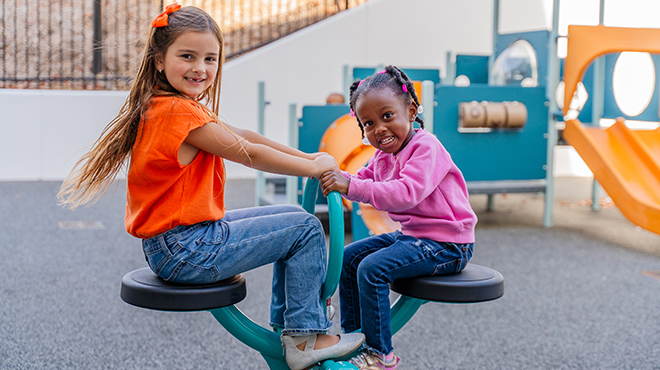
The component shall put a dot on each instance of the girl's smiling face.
(191, 62)
(387, 119)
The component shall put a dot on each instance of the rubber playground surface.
(581, 295)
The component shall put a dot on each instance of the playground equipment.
(143, 288)
(500, 149)
(625, 162)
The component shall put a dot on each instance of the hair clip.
(420, 109)
(381, 72)
(161, 20)
(405, 89)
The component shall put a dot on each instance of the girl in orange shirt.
(175, 196)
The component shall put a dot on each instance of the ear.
(158, 61)
(412, 110)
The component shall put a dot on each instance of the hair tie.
(361, 81)
(405, 89)
(381, 72)
(352, 113)
(161, 20)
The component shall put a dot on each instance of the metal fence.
(97, 44)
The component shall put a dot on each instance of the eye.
(367, 124)
(387, 115)
(211, 59)
(186, 56)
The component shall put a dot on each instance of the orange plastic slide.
(627, 165)
(625, 162)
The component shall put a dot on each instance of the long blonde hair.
(97, 169)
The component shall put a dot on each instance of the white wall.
(43, 133)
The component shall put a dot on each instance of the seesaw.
(143, 288)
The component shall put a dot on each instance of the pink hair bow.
(161, 20)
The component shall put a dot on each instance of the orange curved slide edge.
(625, 162)
(627, 165)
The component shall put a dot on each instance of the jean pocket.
(156, 253)
(190, 273)
(449, 267)
(450, 258)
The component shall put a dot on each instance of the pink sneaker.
(370, 360)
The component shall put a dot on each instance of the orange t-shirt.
(163, 194)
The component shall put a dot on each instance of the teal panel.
(539, 41)
(311, 127)
(475, 67)
(313, 123)
(358, 228)
(415, 74)
(499, 154)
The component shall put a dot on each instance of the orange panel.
(585, 43)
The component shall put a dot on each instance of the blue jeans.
(371, 264)
(287, 236)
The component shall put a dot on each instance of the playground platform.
(581, 295)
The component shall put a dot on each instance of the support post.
(550, 88)
(598, 100)
(428, 102)
(291, 181)
(260, 184)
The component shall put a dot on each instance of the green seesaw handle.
(336, 232)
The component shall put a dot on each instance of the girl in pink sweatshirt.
(413, 178)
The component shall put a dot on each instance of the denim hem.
(300, 332)
(276, 326)
(367, 347)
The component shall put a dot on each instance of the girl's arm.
(256, 138)
(263, 155)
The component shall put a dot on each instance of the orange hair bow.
(161, 20)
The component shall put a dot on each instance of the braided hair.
(393, 78)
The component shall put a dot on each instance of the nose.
(198, 67)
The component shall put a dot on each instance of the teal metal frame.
(267, 342)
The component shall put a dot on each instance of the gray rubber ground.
(582, 295)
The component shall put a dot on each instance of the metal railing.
(97, 44)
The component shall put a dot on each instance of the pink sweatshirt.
(421, 188)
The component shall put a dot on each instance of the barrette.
(161, 20)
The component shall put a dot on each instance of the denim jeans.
(287, 236)
(371, 264)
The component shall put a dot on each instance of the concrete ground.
(581, 295)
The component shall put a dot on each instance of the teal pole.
(348, 80)
(402, 311)
(551, 87)
(428, 102)
(260, 185)
(249, 332)
(336, 255)
(291, 181)
(597, 104)
(496, 27)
